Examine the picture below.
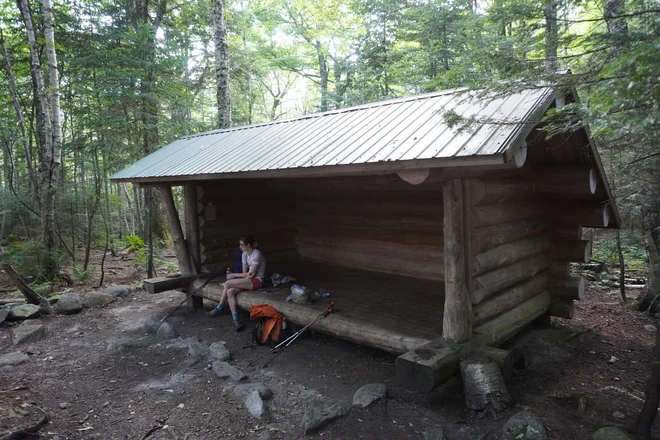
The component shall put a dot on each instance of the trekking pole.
(288, 341)
(190, 296)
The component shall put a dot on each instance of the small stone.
(613, 359)
(225, 371)
(243, 389)
(319, 414)
(4, 313)
(610, 433)
(218, 352)
(118, 291)
(650, 328)
(13, 359)
(96, 299)
(24, 311)
(618, 415)
(436, 433)
(167, 331)
(151, 324)
(369, 393)
(69, 304)
(64, 405)
(524, 426)
(27, 332)
(256, 406)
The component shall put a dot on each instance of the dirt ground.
(98, 375)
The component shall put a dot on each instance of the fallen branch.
(22, 433)
(31, 296)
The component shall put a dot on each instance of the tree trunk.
(651, 396)
(186, 265)
(221, 64)
(551, 34)
(616, 27)
(622, 267)
(323, 74)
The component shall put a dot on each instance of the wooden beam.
(414, 177)
(562, 182)
(192, 224)
(499, 214)
(578, 251)
(162, 284)
(567, 288)
(562, 308)
(489, 237)
(456, 325)
(597, 216)
(509, 253)
(484, 192)
(182, 254)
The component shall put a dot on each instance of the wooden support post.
(182, 254)
(562, 308)
(456, 326)
(192, 224)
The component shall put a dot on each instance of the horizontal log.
(376, 248)
(562, 182)
(491, 215)
(432, 364)
(574, 250)
(567, 232)
(510, 253)
(162, 284)
(408, 238)
(567, 288)
(596, 216)
(484, 192)
(487, 238)
(490, 283)
(394, 264)
(560, 269)
(509, 298)
(509, 361)
(562, 308)
(337, 324)
(431, 225)
(374, 208)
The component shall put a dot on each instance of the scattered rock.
(13, 359)
(610, 433)
(96, 299)
(613, 359)
(256, 406)
(369, 393)
(218, 352)
(650, 328)
(151, 324)
(524, 426)
(242, 390)
(4, 312)
(27, 332)
(69, 304)
(195, 348)
(118, 291)
(167, 331)
(24, 311)
(64, 405)
(225, 371)
(436, 433)
(618, 415)
(319, 414)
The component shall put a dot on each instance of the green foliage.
(30, 259)
(79, 274)
(634, 254)
(134, 243)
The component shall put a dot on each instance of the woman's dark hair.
(248, 240)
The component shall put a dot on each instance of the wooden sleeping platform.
(390, 312)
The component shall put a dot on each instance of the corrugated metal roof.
(406, 129)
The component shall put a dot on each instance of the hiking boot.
(213, 312)
(239, 326)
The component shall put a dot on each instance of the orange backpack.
(269, 326)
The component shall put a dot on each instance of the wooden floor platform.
(389, 312)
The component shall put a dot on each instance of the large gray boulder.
(243, 389)
(4, 312)
(68, 304)
(610, 433)
(225, 371)
(24, 311)
(96, 299)
(151, 324)
(369, 393)
(13, 359)
(318, 414)
(218, 351)
(167, 331)
(256, 406)
(118, 291)
(27, 332)
(524, 426)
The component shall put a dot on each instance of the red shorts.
(256, 284)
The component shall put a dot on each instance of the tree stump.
(483, 384)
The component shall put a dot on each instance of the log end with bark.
(483, 384)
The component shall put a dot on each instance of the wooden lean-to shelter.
(433, 239)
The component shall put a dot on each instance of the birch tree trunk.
(221, 64)
(551, 34)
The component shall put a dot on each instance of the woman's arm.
(246, 274)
